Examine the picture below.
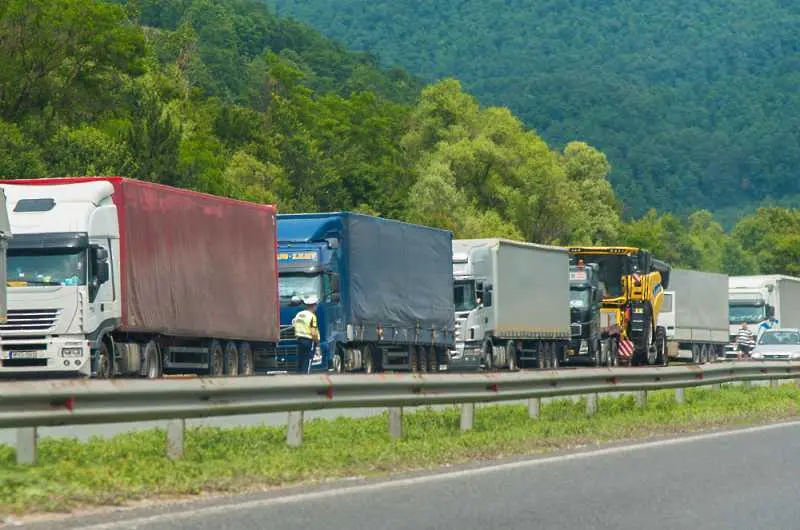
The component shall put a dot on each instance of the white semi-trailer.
(695, 315)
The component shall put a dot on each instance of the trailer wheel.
(231, 359)
(511, 356)
(369, 357)
(104, 367)
(247, 365)
(695, 354)
(338, 361)
(542, 356)
(152, 361)
(216, 359)
(424, 359)
(555, 363)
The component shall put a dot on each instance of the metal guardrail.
(31, 404)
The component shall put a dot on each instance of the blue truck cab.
(385, 291)
(308, 264)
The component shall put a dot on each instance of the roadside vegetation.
(105, 472)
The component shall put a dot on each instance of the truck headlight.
(71, 352)
(756, 355)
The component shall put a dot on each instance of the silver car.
(778, 345)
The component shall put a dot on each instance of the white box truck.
(762, 302)
(695, 315)
(511, 303)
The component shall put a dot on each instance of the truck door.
(102, 287)
(666, 317)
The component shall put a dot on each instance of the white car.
(778, 345)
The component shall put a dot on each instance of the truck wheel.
(231, 360)
(216, 359)
(662, 355)
(152, 361)
(695, 354)
(104, 367)
(247, 365)
(555, 363)
(511, 356)
(613, 353)
(488, 355)
(597, 348)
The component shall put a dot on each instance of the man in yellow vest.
(307, 334)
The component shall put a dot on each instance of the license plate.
(20, 355)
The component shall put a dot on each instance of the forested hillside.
(223, 97)
(695, 103)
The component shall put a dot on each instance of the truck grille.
(29, 320)
(575, 330)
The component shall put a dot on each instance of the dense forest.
(696, 104)
(222, 96)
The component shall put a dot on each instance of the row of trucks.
(109, 277)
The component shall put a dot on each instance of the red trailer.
(186, 281)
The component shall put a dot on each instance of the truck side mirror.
(770, 311)
(101, 268)
(334, 283)
(487, 296)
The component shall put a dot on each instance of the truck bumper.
(63, 355)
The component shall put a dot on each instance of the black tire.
(231, 360)
(511, 356)
(153, 367)
(555, 361)
(368, 360)
(104, 363)
(247, 363)
(613, 352)
(543, 356)
(662, 355)
(598, 353)
(488, 355)
(337, 364)
(695, 354)
(216, 359)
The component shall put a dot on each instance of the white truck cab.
(61, 289)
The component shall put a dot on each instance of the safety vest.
(305, 324)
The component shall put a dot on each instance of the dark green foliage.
(696, 104)
(223, 97)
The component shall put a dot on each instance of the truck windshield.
(299, 285)
(749, 314)
(464, 295)
(30, 267)
(612, 268)
(578, 297)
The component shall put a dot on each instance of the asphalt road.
(734, 480)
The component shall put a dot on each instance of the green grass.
(72, 474)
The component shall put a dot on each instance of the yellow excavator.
(634, 283)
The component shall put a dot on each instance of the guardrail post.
(294, 432)
(534, 407)
(680, 396)
(27, 439)
(774, 383)
(396, 422)
(591, 404)
(746, 384)
(641, 398)
(175, 434)
(467, 416)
